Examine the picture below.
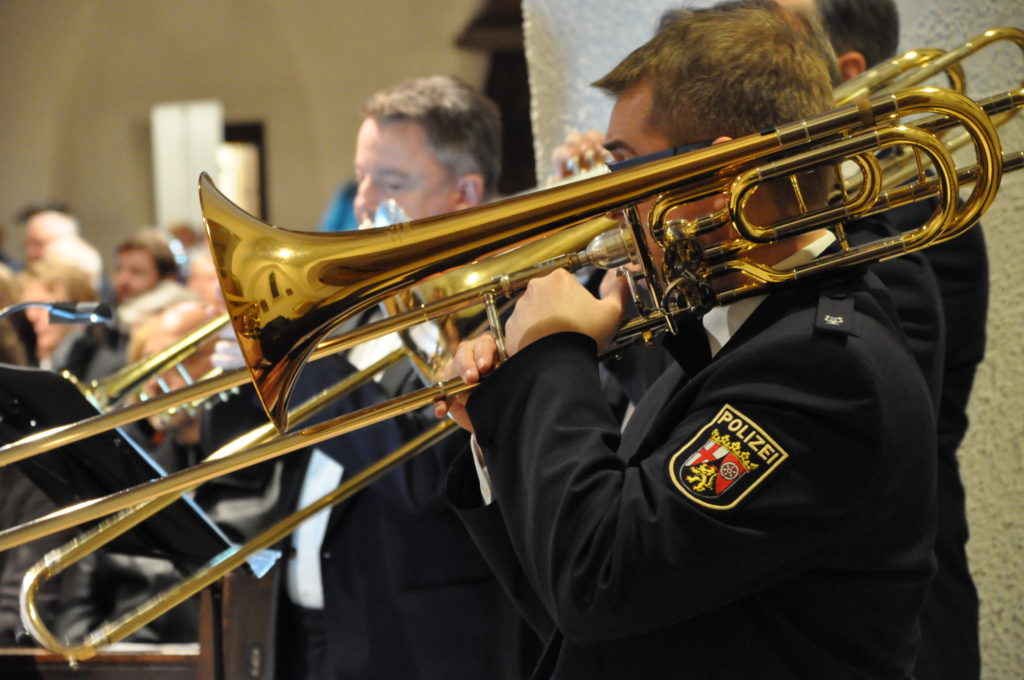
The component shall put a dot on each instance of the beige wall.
(568, 45)
(79, 79)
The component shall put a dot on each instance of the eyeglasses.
(615, 166)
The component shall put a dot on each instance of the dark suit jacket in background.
(407, 593)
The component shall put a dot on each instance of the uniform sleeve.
(608, 538)
(486, 525)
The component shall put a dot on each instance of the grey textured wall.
(570, 43)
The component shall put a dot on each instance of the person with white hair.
(45, 227)
(202, 278)
(75, 251)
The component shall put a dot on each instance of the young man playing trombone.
(768, 509)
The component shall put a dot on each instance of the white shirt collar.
(721, 323)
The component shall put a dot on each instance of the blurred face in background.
(136, 273)
(202, 280)
(48, 335)
(44, 228)
(156, 335)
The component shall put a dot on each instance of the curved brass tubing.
(283, 305)
(883, 75)
(230, 559)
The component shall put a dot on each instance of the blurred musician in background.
(679, 548)
(864, 34)
(389, 584)
(146, 278)
(58, 347)
(202, 278)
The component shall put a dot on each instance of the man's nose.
(366, 201)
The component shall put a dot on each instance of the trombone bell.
(285, 290)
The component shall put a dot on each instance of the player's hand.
(472, 360)
(581, 151)
(558, 303)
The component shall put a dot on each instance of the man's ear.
(470, 190)
(851, 64)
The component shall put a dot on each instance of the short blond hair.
(730, 70)
(53, 273)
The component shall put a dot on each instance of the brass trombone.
(107, 392)
(916, 66)
(284, 298)
(452, 328)
(286, 290)
(367, 267)
(903, 71)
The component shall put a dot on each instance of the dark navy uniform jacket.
(770, 517)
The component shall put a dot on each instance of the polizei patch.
(725, 460)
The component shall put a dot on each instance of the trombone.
(452, 328)
(284, 298)
(903, 71)
(287, 290)
(916, 66)
(321, 279)
(107, 392)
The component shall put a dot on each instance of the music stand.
(33, 399)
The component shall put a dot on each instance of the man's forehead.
(392, 135)
(136, 255)
(629, 128)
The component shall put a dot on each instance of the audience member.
(13, 349)
(145, 278)
(74, 251)
(20, 501)
(202, 278)
(45, 281)
(43, 228)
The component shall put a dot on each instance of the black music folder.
(32, 400)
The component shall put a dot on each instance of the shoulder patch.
(725, 460)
